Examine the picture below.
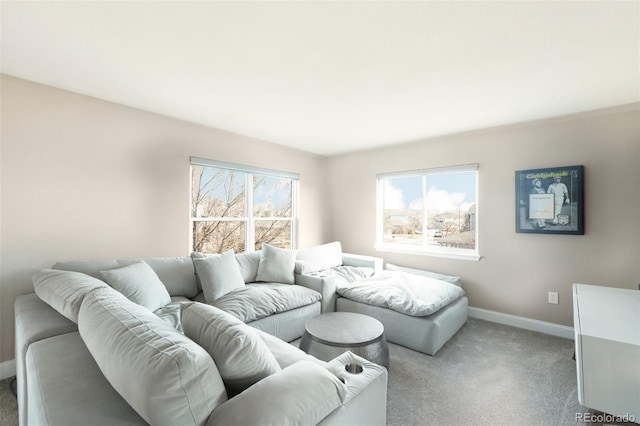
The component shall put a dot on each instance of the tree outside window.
(240, 208)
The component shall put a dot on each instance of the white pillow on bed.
(448, 278)
(320, 257)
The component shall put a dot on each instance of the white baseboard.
(7, 369)
(522, 322)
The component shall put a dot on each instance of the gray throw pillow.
(140, 284)
(248, 263)
(165, 376)
(64, 291)
(218, 274)
(277, 265)
(306, 394)
(240, 354)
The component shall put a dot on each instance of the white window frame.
(249, 219)
(424, 249)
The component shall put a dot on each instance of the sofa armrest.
(324, 285)
(356, 381)
(284, 398)
(34, 321)
(349, 259)
(366, 399)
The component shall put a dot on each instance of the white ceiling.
(333, 77)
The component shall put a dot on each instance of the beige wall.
(84, 178)
(516, 270)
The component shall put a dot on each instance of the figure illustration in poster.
(560, 195)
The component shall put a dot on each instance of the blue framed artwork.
(550, 200)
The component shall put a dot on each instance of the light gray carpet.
(488, 374)
(8, 405)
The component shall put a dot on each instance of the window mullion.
(425, 211)
(250, 233)
(222, 187)
(294, 214)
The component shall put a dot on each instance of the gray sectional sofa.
(201, 339)
(94, 346)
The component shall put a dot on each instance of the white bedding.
(403, 292)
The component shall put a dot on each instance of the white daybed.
(407, 322)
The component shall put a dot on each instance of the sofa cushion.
(66, 387)
(288, 325)
(175, 272)
(140, 284)
(276, 265)
(35, 320)
(306, 394)
(260, 300)
(218, 274)
(91, 267)
(171, 313)
(64, 290)
(240, 355)
(166, 377)
(285, 353)
(248, 263)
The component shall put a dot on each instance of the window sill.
(447, 254)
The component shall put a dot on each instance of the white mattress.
(403, 292)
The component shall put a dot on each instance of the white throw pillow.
(240, 354)
(320, 257)
(448, 278)
(277, 265)
(140, 284)
(218, 274)
(64, 290)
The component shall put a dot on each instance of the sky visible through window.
(446, 191)
(273, 193)
(213, 187)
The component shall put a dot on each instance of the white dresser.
(607, 338)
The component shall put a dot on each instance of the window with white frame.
(241, 207)
(431, 211)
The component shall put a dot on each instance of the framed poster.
(550, 201)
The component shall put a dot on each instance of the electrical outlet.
(553, 297)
